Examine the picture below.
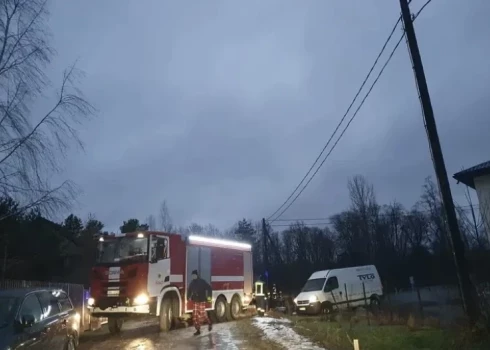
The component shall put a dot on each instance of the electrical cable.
(328, 221)
(462, 207)
(344, 130)
(349, 122)
(343, 118)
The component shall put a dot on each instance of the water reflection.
(138, 337)
(141, 344)
(209, 341)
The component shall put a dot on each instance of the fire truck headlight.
(313, 299)
(76, 321)
(90, 301)
(141, 299)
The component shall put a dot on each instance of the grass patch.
(338, 336)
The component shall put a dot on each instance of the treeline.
(401, 242)
(35, 248)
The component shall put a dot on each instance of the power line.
(304, 224)
(308, 219)
(422, 8)
(463, 207)
(351, 119)
(341, 120)
(328, 221)
(345, 128)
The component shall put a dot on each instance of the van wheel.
(374, 304)
(166, 320)
(327, 311)
(222, 310)
(114, 324)
(235, 308)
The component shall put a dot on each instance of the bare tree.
(431, 203)
(212, 231)
(365, 207)
(165, 219)
(33, 142)
(416, 229)
(151, 222)
(394, 240)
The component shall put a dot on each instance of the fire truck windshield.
(124, 248)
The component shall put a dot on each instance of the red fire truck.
(147, 273)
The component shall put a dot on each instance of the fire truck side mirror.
(153, 249)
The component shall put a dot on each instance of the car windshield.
(8, 308)
(313, 285)
(117, 249)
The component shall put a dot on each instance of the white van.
(339, 288)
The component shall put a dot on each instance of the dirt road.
(247, 334)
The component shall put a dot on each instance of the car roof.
(21, 292)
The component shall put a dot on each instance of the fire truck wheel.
(166, 321)
(235, 307)
(114, 324)
(212, 316)
(222, 310)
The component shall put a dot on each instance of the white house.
(478, 178)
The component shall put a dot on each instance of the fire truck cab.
(147, 273)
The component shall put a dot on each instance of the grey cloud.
(221, 108)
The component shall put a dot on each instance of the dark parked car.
(37, 319)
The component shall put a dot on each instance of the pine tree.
(245, 231)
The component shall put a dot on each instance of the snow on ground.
(280, 331)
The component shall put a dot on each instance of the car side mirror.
(26, 321)
(18, 327)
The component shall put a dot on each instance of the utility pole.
(265, 236)
(466, 288)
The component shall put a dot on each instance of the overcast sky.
(220, 107)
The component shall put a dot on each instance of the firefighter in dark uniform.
(199, 292)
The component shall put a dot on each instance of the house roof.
(467, 176)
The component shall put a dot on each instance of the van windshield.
(314, 285)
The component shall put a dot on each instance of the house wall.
(482, 186)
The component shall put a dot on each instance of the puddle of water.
(227, 341)
(280, 331)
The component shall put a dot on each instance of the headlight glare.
(141, 299)
(313, 299)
